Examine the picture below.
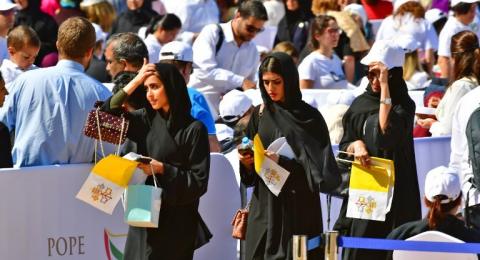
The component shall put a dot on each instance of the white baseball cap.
(407, 43)
(456, 2)
(386, 51)
(442, 181)
(6, 5)
(358, 10)
(176, 50)
(434, 15)
(234, 105)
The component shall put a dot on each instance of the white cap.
(358, 10)
(456, 2)
(100, 35)
(407, 43)
(224, 132)
(6, 5)
(434, 15)
(86, 3)
(176, 51)
(442, 181)
(387, 52)
(234, 104)
(398, 3)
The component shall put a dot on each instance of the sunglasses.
(331, 30)
(7, 12)
(253, 29)
(372, 74)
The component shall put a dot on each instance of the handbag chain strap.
(99, 134)
(121, 135)
(153, 175)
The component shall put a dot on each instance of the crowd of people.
(191, 78)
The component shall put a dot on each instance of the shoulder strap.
(221, 37)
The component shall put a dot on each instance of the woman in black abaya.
(380, 123)
(178, 146)
(296, 210)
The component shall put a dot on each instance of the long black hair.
(166, 22)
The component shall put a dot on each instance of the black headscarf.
(177, 94)
(367, 105)
(303, 127)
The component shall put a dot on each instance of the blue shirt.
(200, 110)
(47, 108)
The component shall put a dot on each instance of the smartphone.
(144, 160)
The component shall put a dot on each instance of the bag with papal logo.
(142, 205)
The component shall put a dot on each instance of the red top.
(380, 10)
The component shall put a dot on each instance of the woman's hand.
(272, 156)
(154, 164)
(360, 152)
(146, 71)
(426, 123)
(246, 160)
(383, 73)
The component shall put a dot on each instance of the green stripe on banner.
(115, 252)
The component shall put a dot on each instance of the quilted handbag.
(106, 127)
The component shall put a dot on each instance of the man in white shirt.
(7, 17)
(234, 64)
(464, 15)
(194, 14)
(459, 153)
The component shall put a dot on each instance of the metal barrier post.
(331, 247)
(299, 247)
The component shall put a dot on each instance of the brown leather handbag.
(106, 127)
(239, 223)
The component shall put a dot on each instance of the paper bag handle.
(154, 177)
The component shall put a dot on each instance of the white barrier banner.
(40, 218)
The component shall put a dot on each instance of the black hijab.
(367, 105)
(176, 90)
(303, 127)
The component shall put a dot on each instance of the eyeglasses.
(253, 29)
(331, 30)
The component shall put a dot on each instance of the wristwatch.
(386, 101)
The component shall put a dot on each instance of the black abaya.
(181, 144)
(361, 122)
(273, 220)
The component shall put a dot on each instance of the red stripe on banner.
(107, 244)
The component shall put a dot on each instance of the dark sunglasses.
(372, 74)
(7, 12)
(253, 29)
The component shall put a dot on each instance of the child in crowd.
(23, 47)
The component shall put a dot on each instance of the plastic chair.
(217, 208)
(434, 236)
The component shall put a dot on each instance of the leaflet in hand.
(273, 175)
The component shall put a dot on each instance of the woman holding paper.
(178, 146)
(380, 123)
(312, 168)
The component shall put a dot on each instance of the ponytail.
(438, 210)
(476, 64)
(166, 22)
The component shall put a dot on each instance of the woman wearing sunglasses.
(322, 69)
(380, 123)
